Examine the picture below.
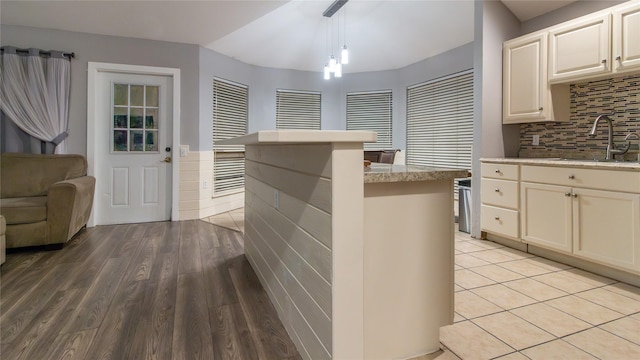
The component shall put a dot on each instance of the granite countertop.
(577, 163)
(388, 173)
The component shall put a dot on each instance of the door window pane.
(135, 114)
(136, 118)
(121, 94)
(151, 141)
(151, 119)
(152, 96)
(120, 117)
(136, 140)
(137, 95)
(120, 140)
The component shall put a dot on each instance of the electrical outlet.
(205, 184)
(183, 151)
(276, 199)
(536, 140)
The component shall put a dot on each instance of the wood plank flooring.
(167, 290)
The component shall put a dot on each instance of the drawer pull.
(618, 57)
(604, 61)
(497, 217)
(575, 195)
(497, 171)
(540, 108)
(572, 177)
(567, 194)
(497, 190)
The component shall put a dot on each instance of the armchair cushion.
(24, 210)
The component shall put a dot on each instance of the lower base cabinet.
(603, 226)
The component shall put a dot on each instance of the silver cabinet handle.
(497, 190)
(572, 177)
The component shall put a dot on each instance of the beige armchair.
(45, 199)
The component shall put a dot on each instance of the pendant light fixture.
(333, 65)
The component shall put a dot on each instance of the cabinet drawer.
(503, 193)
(499, 171)
(626, 181)
(499, 221)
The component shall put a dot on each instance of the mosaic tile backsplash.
(588, 100)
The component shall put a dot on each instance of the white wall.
(113, 49)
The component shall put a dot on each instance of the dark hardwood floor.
(167, 290)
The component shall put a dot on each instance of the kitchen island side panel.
(288, 237)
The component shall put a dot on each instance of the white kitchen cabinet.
(500, 201)
(580, 48)
(527, 96)
(606, 227)
(546, 216)
(559, 212)
(524, 87)
(626, 38)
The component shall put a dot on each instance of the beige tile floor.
(512, 305)
(233, 220)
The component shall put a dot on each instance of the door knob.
(167, 159)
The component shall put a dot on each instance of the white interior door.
(133, 148)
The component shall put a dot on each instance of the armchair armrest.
(68, 207)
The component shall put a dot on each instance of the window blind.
(297, 110)
(440, 122)
(371, 111)
(230, 115)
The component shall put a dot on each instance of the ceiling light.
(334, 66)
(344, 55)
(338, 70)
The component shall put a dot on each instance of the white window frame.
(372, 111)
(297, 109)
(228, 160)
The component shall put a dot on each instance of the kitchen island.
(358, 264)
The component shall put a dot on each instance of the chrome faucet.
(610, 150)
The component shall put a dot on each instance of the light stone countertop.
(267, 137)
(389, 173)
(587, 164)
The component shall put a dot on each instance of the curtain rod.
(43, 52)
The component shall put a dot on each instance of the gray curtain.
(34, 94)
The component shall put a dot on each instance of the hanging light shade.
(327, 72)
(344, 55)
(332, 63)
(337, 72)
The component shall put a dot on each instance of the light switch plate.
(183, 151)
(536, 140)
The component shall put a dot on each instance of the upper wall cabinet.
(626, 38)
(526, 94)
(580, 48)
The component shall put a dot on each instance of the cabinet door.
(626, 38)
(607, 227)
(580, 49)
(525, 79)
(546, 212)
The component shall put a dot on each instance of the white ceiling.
(280, 34)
